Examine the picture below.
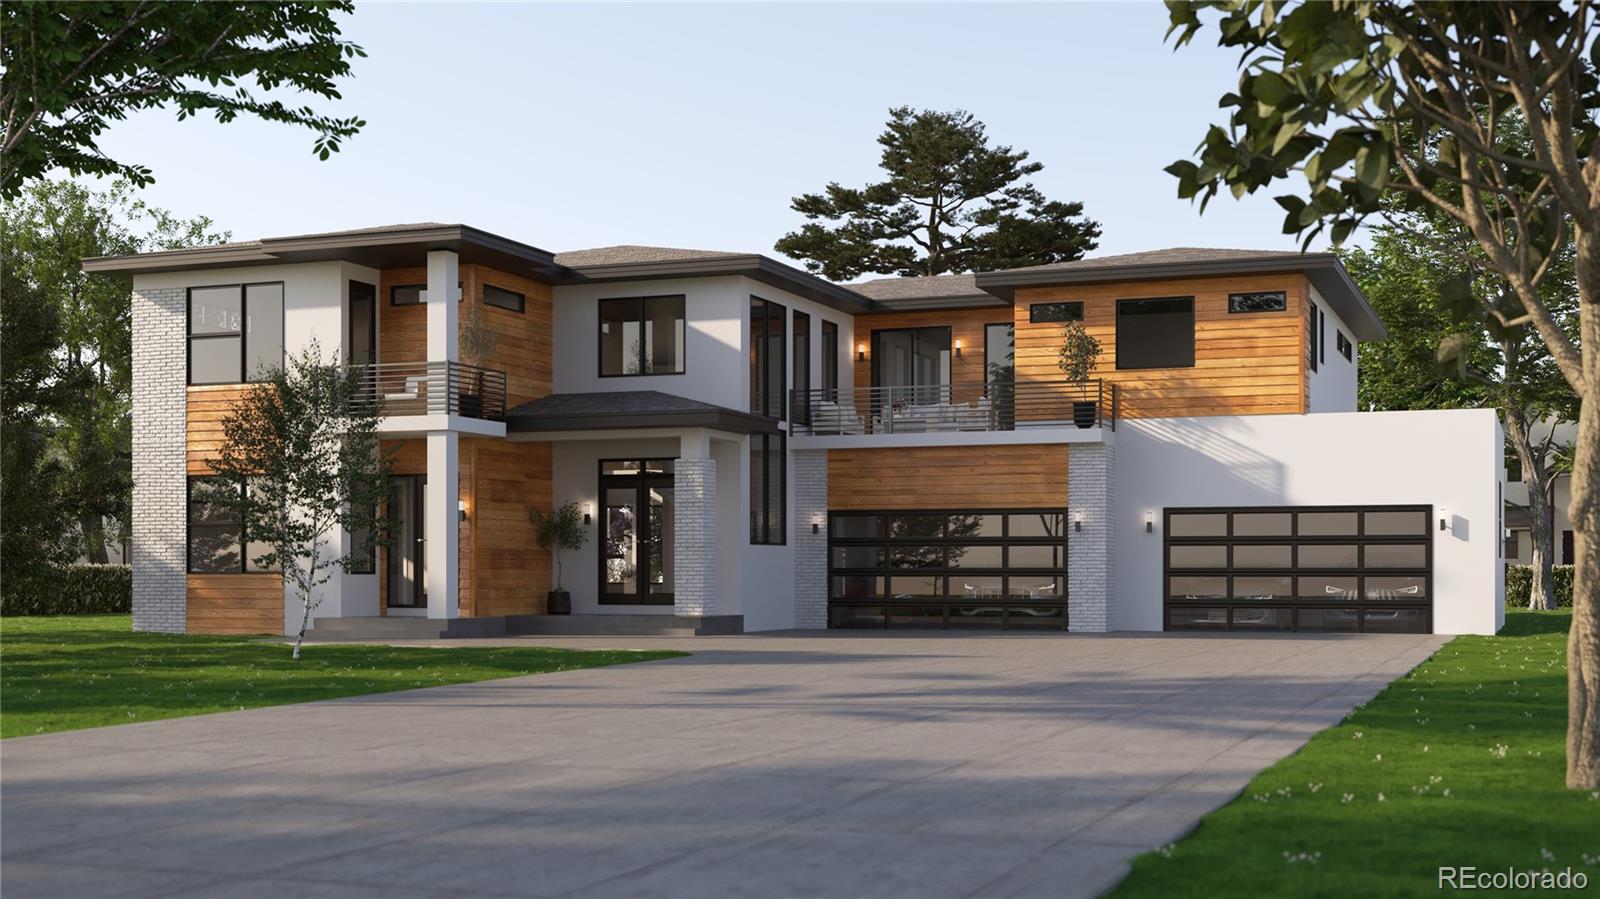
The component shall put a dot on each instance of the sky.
(570, 126)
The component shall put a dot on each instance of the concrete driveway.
(848, 766)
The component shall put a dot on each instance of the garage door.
(962, 568)
(1323, 568)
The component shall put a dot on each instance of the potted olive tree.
(476, 342)
(1079, 353)
(556, 531)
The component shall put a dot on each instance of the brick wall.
(160, 372)
(810, 550)
(694, 520)
(1091, 552)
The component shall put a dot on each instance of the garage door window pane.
(1038, 524)
(1396, 555)
(1262, 588)
(983, 617)
(1037, 556)
(976, 586)
(1327, 555)
(1327, 524)
(916, 616)
(856, 526)
(1197, 619)
(1184, 587)
(931, 556)
(912, 587)
(1400, 589)
(857, 556)
(1329, 619)
(858, 616)
(1262, 524)
(1271, 556)
(1198, 556)
(858, 586)
(977, 526)
(1038, 587)
(1322, 588)
(1199, 525)
(902, 527)
(975, 557)
(1396, 621)
(1397, 523)
(1263, 619)
(1042, 617)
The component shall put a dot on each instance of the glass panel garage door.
(1324, 568)
(969, 568)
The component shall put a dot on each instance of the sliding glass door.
(913, 364)
(636, 557)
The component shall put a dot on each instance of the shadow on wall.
(1214, 459)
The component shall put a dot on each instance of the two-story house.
(757, 448)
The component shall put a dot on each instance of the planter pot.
(559, 602)
(471, 405)
(1083, 414)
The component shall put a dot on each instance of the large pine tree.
(951, 203)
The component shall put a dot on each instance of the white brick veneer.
(159, 471)
(810, 550)
(1091, 552)
(694, 520)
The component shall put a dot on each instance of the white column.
(444, 273)
(810, 548)
(442, 552)
(1091, 551)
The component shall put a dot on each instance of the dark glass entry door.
(406, 543)
(636, 554)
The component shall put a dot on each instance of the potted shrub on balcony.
(1079, 353)
(561, 529)
(476, 342)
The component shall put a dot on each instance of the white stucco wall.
(1448, 459)
(1333, 384)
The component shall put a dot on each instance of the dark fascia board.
(1324, 270)
(715, 419)
(919, 304)
(751, 265)
(382, 249)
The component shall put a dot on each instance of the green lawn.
(1459, 763)
(69, 672)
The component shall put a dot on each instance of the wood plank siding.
(948, 477)
(208, 407)
(966, 326)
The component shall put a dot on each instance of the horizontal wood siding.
(966, 325)
(208, 407)
(948, 477)
(503, 569)
(235, 603)
(1245, 364)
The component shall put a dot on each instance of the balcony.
(435, 388)
(1008, 406)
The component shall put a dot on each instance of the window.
(767, 489)
(1346, 348)
(1155, 333)
(1259, 301)
(1311, 336)
(1322, 336)
(235, 333)
(361, 327)
(408, 295)
(999, 354)
(767, 362)
(641, 336)
(1511, 545)
(1055, 312)
(217, 543)
(800, 379)
(915, 362)
(500, 298)
(830, 359)
(638, 537)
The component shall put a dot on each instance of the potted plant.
(476, 342)
(1079, 353)
(556, 531)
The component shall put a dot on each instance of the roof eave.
(749, 265)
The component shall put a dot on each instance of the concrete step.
(398, 627)
(629, 625)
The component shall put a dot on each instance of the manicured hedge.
(1519, 581)
(75, 590)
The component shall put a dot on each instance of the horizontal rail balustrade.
(996, 406)
(435, 388)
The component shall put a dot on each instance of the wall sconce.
(1149, 522)
(958, 348)
(1077, 520)
(588, 513)
(861, 352)
(816, 524)
(461, 509)
(1444, 519)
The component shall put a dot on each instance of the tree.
(951, 203)
(561, 529)
(71, 69)
(47, 233)
(300, 459)
(1381, 104)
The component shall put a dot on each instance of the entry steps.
(396, 627)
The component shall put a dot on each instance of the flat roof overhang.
(629, 411)
(751, 265)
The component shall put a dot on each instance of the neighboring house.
(757, 448)
(1519, 536)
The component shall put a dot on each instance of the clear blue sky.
(569, 126)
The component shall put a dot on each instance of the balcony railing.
(435, 388)
(998, 406)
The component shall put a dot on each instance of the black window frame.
(242, 335)
(1322, 337)
(829, 373)
(1346, 347)
(394, 294)
(1122, 352)
(188, 539)
(642, 482)
(372, 324)
(764, 400)
(644, 302)
(761, 511)
(1072, 311)
(1236, 302)
(1312, 336)
(800, 366)
(916, 331)
(521, 306)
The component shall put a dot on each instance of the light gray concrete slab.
(925, 765)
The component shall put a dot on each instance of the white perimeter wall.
(1333, 384)
(1448, 459)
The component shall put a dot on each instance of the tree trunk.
(1583, 642)
(305, 619)
(1537, 477)
(94, 537)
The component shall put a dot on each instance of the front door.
(406, 544)
(636, 553)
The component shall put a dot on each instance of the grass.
(1461, 762)
(70, 672)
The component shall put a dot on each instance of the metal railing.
(435, 388)
(996, 406)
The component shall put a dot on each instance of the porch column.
(810, 549)
(1091, 552)
(444, 273)
(694, 525)
(441, 552)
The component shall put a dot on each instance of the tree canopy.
(71, 69)
(951, 203)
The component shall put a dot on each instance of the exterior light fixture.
(1077, 520)
(816, 524)
(958, 348)
(1444, 519)
(588, 513)
(1149, 522)
(461, 509)
(861, 352)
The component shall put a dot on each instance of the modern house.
(757, 448)
(1519, 532)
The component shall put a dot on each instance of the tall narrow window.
(830, 360)
(1155, 333)
(1322, 336)
(999, 354)
(642, 336)
(768, 359)
(767, 488)
(235, 333)
(361, 328)
(800, 379)
(1311, 336)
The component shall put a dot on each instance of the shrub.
(1519, 583)
(76, 590)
